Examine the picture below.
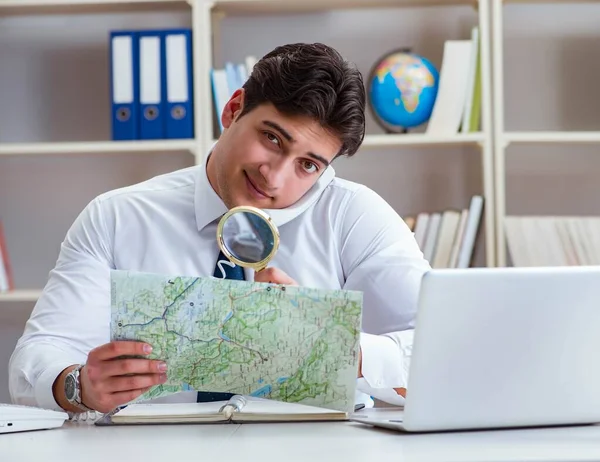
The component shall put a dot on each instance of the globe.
(402, 91)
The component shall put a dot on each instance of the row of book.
(458, 102)
(553, 240)
(447, 239)
(225, 81)
(151, 84)
(6, 275)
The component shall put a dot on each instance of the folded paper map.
(287, 343)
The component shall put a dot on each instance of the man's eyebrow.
(321, 159)
(283, 132)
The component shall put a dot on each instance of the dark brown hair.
(311, 80)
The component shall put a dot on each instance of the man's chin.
(244, 201)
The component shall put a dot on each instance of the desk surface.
(312, 442)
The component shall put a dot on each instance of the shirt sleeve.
(72, 315)
(381, 258)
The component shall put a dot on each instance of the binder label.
(150, 70)
(177, 84)
(122, 70)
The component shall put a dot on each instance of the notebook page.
(277, 407)
(171, 409)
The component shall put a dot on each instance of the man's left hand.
(274, 276)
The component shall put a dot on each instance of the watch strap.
(77, 399)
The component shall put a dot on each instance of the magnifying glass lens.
(248, 237)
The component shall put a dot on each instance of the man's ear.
(233, 108)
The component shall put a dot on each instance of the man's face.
(267, 159)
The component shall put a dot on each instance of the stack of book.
(227, 80)
(457, 106)
(447, 239)
(553, 240)
(151, 84)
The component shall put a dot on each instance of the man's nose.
(275, 173)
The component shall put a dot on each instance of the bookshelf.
(552, 137)
(374, 141)
(549, 136)
(418, 139)
(37, 7)
(253, 7)
(204, 19)
(107, 147)
(20, 296)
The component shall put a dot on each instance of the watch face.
(70, 387)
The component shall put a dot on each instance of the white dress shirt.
(339, 235)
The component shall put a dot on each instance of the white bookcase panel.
(545, 108)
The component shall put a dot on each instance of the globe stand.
(404, 131)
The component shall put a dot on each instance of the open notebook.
(238, 409)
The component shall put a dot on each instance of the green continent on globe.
(411, 77)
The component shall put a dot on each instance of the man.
(302, 107)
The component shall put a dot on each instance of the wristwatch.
(73, 389)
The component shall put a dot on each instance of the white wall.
(53, 87)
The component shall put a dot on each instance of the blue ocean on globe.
(403, 90)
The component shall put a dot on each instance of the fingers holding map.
(287, 343)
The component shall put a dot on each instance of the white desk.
(302, 442)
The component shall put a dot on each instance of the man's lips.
(256, 189)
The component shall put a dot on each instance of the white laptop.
(17, 418)
(503, 347)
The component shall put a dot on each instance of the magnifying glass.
(248, 237)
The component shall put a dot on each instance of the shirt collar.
(209, 206)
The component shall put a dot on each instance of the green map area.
(286, 343)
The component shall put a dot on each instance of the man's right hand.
(108, 380)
